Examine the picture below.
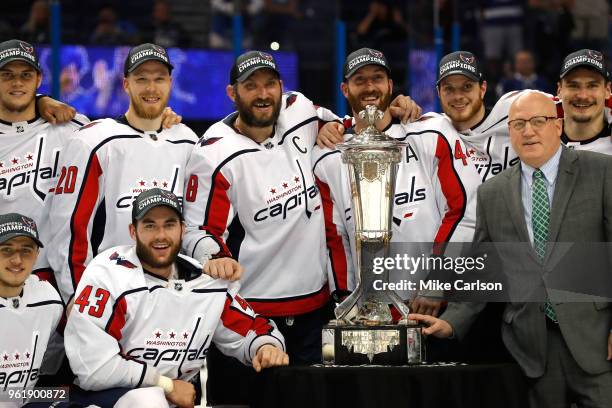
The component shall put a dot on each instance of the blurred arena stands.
(310, 36)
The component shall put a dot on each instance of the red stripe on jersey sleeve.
(83, 213)
(242, 323)
(453, 191)
(335, 246)
(219, 211)
(117, 320)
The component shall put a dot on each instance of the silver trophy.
(363, 331)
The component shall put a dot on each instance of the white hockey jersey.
(601, 143)
(124, 329)
(259, 203)
(429, 203)
(29, 169)
(107, 164)
(28, 321)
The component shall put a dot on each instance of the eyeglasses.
(536, 122)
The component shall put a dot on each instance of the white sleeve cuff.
(205, 249)
(260, 341)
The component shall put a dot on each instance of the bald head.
(533, 100)
(535, 131)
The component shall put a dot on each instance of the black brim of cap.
(458, 72)
(357, 68)
(143, 213)
(13, 59)
(21, 234)
(584, 65)
(139, 63)
(250, 71)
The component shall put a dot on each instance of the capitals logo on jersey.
(170, 345)
(142, 184)
(286, 197)
(16, 368)
(28, 170)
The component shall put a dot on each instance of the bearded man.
(111, 161)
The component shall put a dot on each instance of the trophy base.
(378, 345)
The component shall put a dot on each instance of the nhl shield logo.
(596, 55)
(19, 128)
(178, 286)
(467, 59)
(375, 53)
(26, 48)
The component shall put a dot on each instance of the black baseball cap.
(17, 50)
(585, 58)
(459, 62)
(250, 62)
(143, 53)
(361, 58)
(14, 225)
(152, 198)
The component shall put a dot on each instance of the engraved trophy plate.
(364, 332)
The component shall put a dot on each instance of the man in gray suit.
(564, 348)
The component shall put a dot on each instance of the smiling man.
(564, 348)
(111, 161)
(145, 317)
(30, 144)
(584, 88)
(30, 309)
(252, 206)
(428, 202)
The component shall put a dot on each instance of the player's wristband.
(166, 384)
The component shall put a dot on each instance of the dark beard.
(355, 104)
(146, 257)
(248, 117)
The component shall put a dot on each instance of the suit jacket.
(581, 211)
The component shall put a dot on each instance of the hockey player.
(30, 309)
(34, 130)
(124, 331)
(429, 202)
(109, 162)
(30, 144)
(251, 202)
(584, 88)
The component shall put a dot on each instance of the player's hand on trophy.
(435, 327)
(405, 109)
(223, 268)
(53, 111)
(269, 356)
(183, 394)
(426, 306)
(170, 118)
(330, 134)
(610, 346)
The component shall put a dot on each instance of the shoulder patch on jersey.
(209, 141)
(87, 126)
(243, 303)
(290, 100)
(121, 261)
